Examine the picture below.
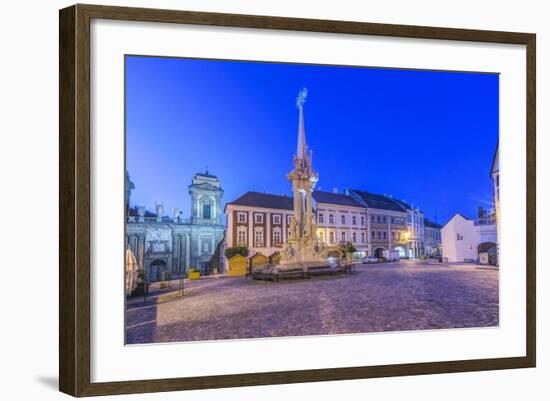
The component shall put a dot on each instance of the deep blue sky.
(427, 137)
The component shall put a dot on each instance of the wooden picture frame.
(74, 199)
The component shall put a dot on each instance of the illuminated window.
(258, 238)
(241, 236)
(277, 236)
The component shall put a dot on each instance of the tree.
(236, 250)
(347, 249)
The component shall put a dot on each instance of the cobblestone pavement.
(388, 297)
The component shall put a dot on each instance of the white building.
(341, 220)
(462, 240)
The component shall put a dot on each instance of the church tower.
(206, 199)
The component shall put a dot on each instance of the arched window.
(206, 208)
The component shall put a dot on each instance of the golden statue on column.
(302, 247)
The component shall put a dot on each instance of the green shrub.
(347, 249)
(236, 250)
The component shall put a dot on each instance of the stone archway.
(379, 252)
(487, 253)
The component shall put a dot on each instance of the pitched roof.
(338, 199)
(403, 204)
(457, 214)
(268, 201)
(380, 201)
(432, 224)
(205, 186)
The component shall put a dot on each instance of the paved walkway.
(385, 297)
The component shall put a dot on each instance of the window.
(322, 237)
(258, 218)
(206, 212)
(385, 235)
(241, 217)
(384, 220)
(331, 218)
(321, 218)
(459, 237)
(354, 237)
(354, 220)
(373, 235)
(379, 234)
(258, 238)
(362, 238)
(277, 236)
(276, 219)
(362, 220)
(331, 236)
(343, 236)
(378, 219)
(372, 219)
(343, 219)
(241, 237)
(393, 235)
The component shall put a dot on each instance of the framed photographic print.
(250, 200)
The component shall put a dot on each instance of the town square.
(289, 258)
(374, 298)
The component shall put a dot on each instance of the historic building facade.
(340, 220)
(259, 221)
(432, 238)
(373, 223)
(387, 224)
(163, 244)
